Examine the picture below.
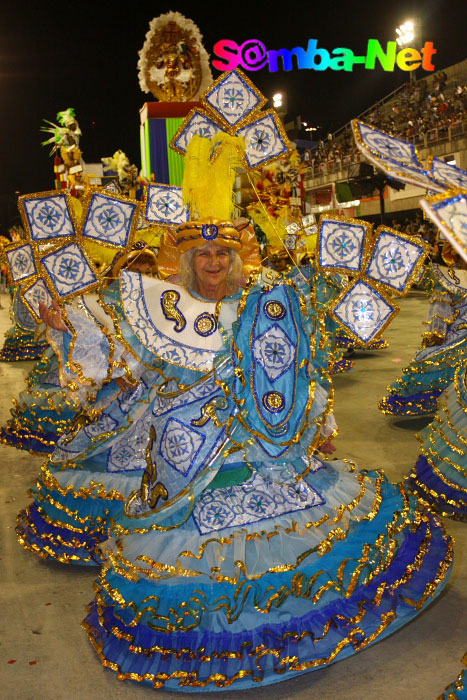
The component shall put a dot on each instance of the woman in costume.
(44, 410)
(439, 476)
(242, 558)
(239, 556)
(444, 345)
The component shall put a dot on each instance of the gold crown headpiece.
(237, 235)
(209, 230)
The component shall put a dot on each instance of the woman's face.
(211, 265)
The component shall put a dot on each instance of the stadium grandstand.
(431, 113)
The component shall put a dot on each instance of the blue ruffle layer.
(418, 404)
(277, 650)
(342, 365)
(69, 546)
(14, 351)
(32, 440)
(439, 495)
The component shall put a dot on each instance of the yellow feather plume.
(210, 169)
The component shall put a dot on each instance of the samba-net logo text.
(252, 55)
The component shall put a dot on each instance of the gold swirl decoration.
(169, 300)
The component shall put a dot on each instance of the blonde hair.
(186, 274)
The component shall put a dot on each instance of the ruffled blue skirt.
(21, 345)
(232, 607)
(86, 482)
(42, 412)
(424, 380)
(440, 475)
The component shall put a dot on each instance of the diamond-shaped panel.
(21, 261)
(450, 214)
(397, 158)
(292, 228)
(264, 140)
(109, 220)
(449, 174)
(386, 146)
(393, 260)
(165, 206)
(233, 98)
(69, 271)
(364, 311)
(291, 241)
(36, 294)
(198, 124)
(48, 217)
(341, 245)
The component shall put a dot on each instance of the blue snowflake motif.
(38, 295)
(216, 514)
(233, 99)
(167, 205)
(297, 493)
(68, 268)
(257, 504)
(48, 216)
(125, 455)
(177, 444)
(343, 246)
(393, 261)
(21, 262)
(363, 310)
(390, 148)
(109, 219)
(275, 353)
(260, 140)
(204, 131)
(140, 440)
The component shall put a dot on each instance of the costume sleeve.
(90, 356)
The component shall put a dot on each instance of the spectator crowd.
(422, 109)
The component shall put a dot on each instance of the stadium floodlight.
(277, 100)
(405, 33)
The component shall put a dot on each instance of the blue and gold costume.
(21, 342)
(42, 412)
(444, 344)
(239, 557)
(439, 477)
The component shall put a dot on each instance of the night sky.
(84, 55)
